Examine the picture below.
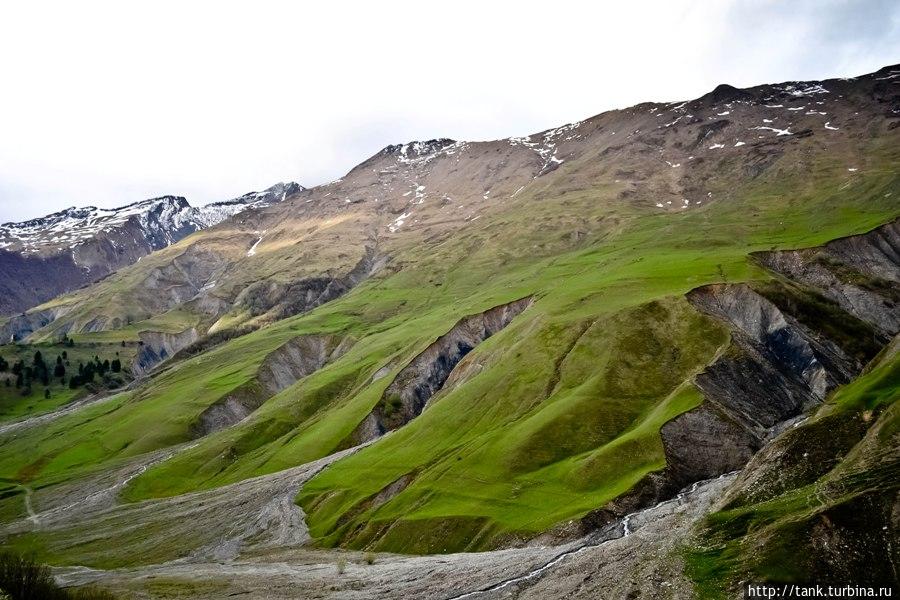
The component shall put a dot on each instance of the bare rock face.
(793, 342)
(21, 326)
(785, 359)
(181, 280)
(406, 397)
(285, 300)
(298, 358)
(860, 273)
(158, 346)
(774, 370)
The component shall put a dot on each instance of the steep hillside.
(516, 340)
(819, 503)
(44, 257)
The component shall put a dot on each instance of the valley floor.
(262, 553)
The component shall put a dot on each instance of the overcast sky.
(107, 103)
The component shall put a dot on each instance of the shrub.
(341, 565)
(22, 578)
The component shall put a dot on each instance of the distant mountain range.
(44, 257)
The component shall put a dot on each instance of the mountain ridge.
(45, 256)
(466, 346)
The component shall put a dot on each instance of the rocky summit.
(652, 353)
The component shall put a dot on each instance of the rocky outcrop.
(793, 341)
(405, 398)
(157, 346)
(19, 327)
(775, 369)
(284, 300)
(298, 358)
(791, 345)
(181, 279)
(859, 272)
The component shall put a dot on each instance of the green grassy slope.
(560, 411)
(501, 455)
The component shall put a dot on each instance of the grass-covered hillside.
(546, 420)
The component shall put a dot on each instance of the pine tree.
(116, 365)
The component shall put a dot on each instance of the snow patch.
(398, 222)
(778, 131)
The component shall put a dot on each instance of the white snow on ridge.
(163, 220)
(414, 153)
(810, 90)
(546, 148)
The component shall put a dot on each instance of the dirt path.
(32, 516)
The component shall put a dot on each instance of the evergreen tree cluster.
(38, 371)
(95, 368)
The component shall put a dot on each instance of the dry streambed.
(249, 540)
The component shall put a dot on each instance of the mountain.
(42, 258)
(651, 353)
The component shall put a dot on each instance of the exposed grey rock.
(859, 272)
(776, 368)
(157, 346)
(406, 396)
(285, 300)
(298, 358)
(20, 327)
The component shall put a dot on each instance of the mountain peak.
(418, 149)
(726, 93)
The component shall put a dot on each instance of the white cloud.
(107, 103)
